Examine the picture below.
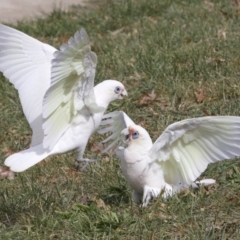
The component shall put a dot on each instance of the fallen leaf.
(147, 97)
(236, 3)
(84, 199)
(209, 4)
(163, 216)
(42, 163)
(6, 151)
(97, 148)
(116, 32)
(152, 95)
(71, 172)
(144, 99)
(200, 95)
(105, 159)
(204, 191)
(192, 194)
(62, 38)
(101, 204)
(163, 205)
(135, 76)
(5, 172)
(135, 31)
(153, 20)
(206, 113)
(222, 34)
(185, 192)
(210, 60)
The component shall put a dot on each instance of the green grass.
(171, 47)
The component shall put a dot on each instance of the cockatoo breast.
(133, 167)
(78, 133)
(139, 171)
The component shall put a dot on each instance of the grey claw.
(84, 166)
(77, 165)
(86, 161)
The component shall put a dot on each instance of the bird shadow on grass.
(115, 195)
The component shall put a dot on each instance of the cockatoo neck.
(141, 146)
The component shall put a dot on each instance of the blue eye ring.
(117, 90)
(135, 135)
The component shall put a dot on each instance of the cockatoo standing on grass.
(177, 158)
(57, 93)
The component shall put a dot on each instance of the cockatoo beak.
(130, 130)
(125, 135)
(124, 93)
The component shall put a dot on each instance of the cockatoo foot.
(168, 192)
(148, 194)
(152, 193)
(85, 162)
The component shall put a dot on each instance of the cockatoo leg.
(80, 159)
(86, 161)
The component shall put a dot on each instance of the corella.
(57, 93)
(177, 158)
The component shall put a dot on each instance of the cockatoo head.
(114, 89)
(109, 91)
(137, 135)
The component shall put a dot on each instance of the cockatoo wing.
(116, 122)
(26, 62)
(71, 90)
(185, 148)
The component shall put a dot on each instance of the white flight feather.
(72, 81)
(116, 122)
(196, 143)
(26, 62)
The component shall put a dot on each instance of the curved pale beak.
(124, 93)
(125, 135)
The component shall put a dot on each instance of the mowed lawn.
(177, 59)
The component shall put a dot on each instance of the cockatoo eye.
(117, 90)
(135, 135)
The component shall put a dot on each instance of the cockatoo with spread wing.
(57, 93)
(177, 158)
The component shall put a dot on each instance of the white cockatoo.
(177, 158)
(57, 93)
